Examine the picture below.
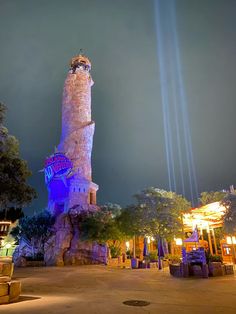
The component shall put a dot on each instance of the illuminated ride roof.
(204, 217)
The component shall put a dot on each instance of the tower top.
(80, 61)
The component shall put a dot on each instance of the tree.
(158, 213)
(229, 218)
(12, 214)
(211, 197)
(102, 226)
(14, 172)
(35, 230)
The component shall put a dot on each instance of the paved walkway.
(102, 290)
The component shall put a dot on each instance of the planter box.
(153, 264)
(229, 269)
(175, 270)
(6, 269)
(165, 263)
(215, 269)
(143, 264)
(126, 263)
(113, 262)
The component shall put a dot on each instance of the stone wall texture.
(65, 247)
(77, 126)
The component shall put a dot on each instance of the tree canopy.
(157, 213)
(101, 226)
(14, 171)
(35, 229)
(229, 218)
(211, 197)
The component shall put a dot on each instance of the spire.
(80, 61)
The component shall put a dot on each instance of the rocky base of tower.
(65, 246)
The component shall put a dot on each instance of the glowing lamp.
(178, 241)
(127, 245)
(229, 240)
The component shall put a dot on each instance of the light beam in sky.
(178, 144)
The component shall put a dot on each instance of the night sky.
(38, 39)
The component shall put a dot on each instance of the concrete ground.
(101, 290)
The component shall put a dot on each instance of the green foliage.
(213, 258)
(157, 212)
(14, 171)
(219, 234)
(115, 250)
(173, 259)
(229, 218)
(211, 197)
(35, 229)
(153, 256)
(101, 226)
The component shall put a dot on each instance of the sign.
(57, 166)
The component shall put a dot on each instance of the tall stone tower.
(72, 185)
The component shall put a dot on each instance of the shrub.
(115, 251)
(173, 259)
(153, 256)
(214, 258)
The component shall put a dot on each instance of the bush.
(213, 258)
(153, 256)
(115, 251)
(173, 259)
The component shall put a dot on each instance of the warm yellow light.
(152, 239)
(148, 240)
(178, 241)
(234, 240)
(229, 240)
(8, 245)
(127, 245)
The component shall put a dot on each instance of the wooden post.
(214, 239)
(233, 251)
(209, 240)
(201, 233)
